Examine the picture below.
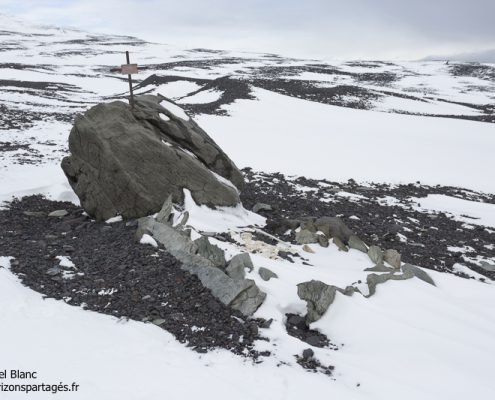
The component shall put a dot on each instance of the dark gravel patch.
(117, 276)
(428, 235)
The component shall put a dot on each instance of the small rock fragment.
(266, 274)
(322, 240)
(164, 214)
(308, 249)
(418, 273)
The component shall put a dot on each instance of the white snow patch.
(175, 109)
(480, 213)
(117, 218)
(147, 239)
(222, 219)
(164, 117)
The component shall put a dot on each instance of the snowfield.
(410, 340)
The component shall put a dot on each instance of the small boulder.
(237, 266)
(318, 296)
(266, 274)
(392, 257)
(373, 280)
(307, 354)
(307, 249)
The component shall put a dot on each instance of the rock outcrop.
(127, 161)
(207, 262)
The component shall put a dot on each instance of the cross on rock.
(128, 69)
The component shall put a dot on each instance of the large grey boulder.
(334, 227)
(128, 161)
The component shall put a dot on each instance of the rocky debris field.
(431, 240)
(100, 267)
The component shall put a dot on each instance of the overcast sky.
(372, 29)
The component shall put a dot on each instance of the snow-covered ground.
(410, 340)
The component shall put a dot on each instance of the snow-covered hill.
(394, 123)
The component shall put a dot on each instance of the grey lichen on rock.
(266, 274)
(418, 273)
(128, 161)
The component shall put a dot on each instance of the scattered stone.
(262, 207)
(392, 257)
(357, 244)
(418, 273)
(307, 354)
(305, 236)
(340, 244)
(297, 327)
(266, 274)
(307, 249)
(126, 161)
(241, 261)
(375, 254)
(159, 321)
(58, 213)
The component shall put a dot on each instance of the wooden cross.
(128, 69)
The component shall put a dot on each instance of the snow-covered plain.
(410, 340)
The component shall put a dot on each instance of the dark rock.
(128, 161)
(307, 354)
